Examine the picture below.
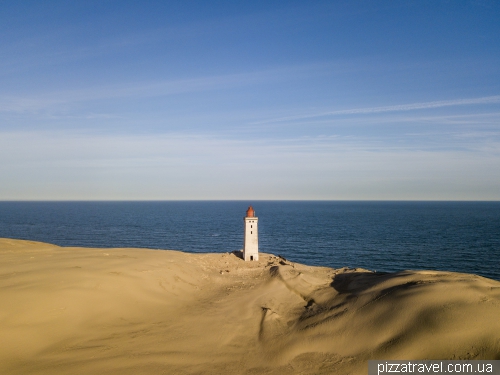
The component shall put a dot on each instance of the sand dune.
(136, 311)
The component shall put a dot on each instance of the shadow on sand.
(238, 253)
(357, 282)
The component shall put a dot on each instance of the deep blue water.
(382, 236)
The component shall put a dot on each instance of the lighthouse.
(251, 237)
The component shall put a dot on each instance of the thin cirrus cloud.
(35, 102)
(393, 108)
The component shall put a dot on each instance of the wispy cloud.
(43, 100)
(58, 46)
(391, 108)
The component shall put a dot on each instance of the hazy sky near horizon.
(250, 100)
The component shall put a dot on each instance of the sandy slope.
(132, 311)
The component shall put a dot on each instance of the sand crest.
(136, 311)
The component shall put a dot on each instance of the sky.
(175, 100)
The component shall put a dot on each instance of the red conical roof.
(250, 212)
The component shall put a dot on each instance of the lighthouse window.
(251, 226)
(250, 232)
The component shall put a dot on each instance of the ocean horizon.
(387, 236)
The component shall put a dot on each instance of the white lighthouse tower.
(251, 237)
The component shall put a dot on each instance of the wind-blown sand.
(136, 311)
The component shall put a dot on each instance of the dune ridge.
(137, 311)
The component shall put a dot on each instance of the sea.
(374, 235)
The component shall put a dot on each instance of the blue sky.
(250, 100)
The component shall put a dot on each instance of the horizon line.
(241, 200)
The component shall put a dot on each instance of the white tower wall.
(251, 239)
